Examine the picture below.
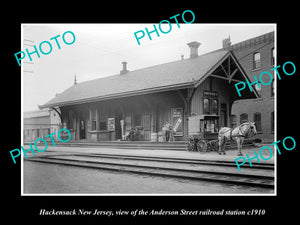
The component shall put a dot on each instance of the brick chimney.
(226, 43)
(75, 80)
(194, 49)
(124, 68)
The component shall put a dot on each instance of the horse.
(245, 130)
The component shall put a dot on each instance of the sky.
(100, 49)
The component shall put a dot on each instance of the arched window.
(256, 60)
(206, 106)
(257, 120)
(243, 118)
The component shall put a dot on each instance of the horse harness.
(230, 135)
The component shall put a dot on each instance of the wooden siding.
(153, 109)
(224, 90)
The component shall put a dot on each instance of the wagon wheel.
(202, 146)
(190, 143)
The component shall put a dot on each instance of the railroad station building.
(105, 109)
(36, 124)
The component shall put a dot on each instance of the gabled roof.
(168, 76)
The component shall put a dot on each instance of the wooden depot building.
(107, 108)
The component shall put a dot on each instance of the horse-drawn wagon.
(203, 133)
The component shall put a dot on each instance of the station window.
(94, 125)
(137, 120)
(257, 120)
(210, 106)
(94, 122)
(103, 115)
(71, 120)
(206, 107)
(256, 61)
(102, 125)
(214, 106)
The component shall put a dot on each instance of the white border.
(275, 111)
(158, 194)
(22, 115)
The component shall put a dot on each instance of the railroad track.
(179, 160)
(213, 171)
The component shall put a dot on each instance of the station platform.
(175, 146)
(230, 156)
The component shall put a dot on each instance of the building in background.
(256, 55)
(36, 125)
(40, 123)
